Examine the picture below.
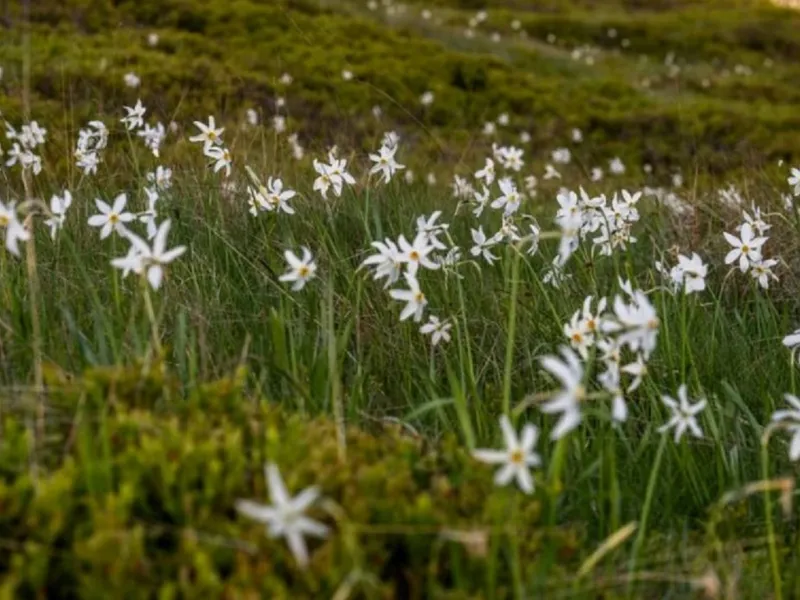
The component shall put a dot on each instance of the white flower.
(550, 172)
(616, 166)
(322, 183)
(385, 163)
(58, 208)
(209, 134)
(161, 177)
(134, 117)
(482, 245)
(15, 231)
(792, 341)
(87, 162)
(413, 297)
(794, 180)
(610, 380)
(284, 517)
(569, 372)
(746, 249)
(111, 218)
(427, 98)
(761, 270)
(684, 415)
(438, 330)
(487, 173)
(562, 156)
(791, 420)
(301, 270)
(277, 198)
(222, 159)
(693, 273)
(636, 323)
(416, 254)
(517, 458)
(578, 337)
(153, 137)
(151, 259)
(132, 80)
(251, 116)
(555, 275)
(387, 262)
(570, 225)
(130, 263)
(510, 200)
(756, 221)
(432, 229)
(577, 136)
(390, 139)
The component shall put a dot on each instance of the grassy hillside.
(222, 57)
(136, 416)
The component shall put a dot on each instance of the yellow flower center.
(577, 337)
(419, 297)
(745, 249)
(4, 220)
(303, 271)
(113, 218)
(516, 457)
(414, 255)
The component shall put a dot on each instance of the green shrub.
(134, 489)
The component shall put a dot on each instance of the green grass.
(129, 433)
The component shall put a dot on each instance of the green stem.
(648, 501)
(773, 549)
(510, 334)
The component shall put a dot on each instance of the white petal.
(277, 490)
(256, 511)
(490, 456)
(154, 275)
(524, 479)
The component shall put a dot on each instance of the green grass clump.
(135, 498)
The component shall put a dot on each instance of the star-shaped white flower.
(111, 218)
(284, 517)
(517, 458)
(684, 414)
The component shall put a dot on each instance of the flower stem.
(648, 501)
(510, 334)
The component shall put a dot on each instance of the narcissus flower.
(301, 270)
(684, 414)
(111, 218)
(516, 458)
(285, 516)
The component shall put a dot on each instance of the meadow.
(370, 299)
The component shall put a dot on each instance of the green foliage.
(133, 493)
(219, 57)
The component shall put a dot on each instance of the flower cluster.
(92, 140)
(23, 143)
